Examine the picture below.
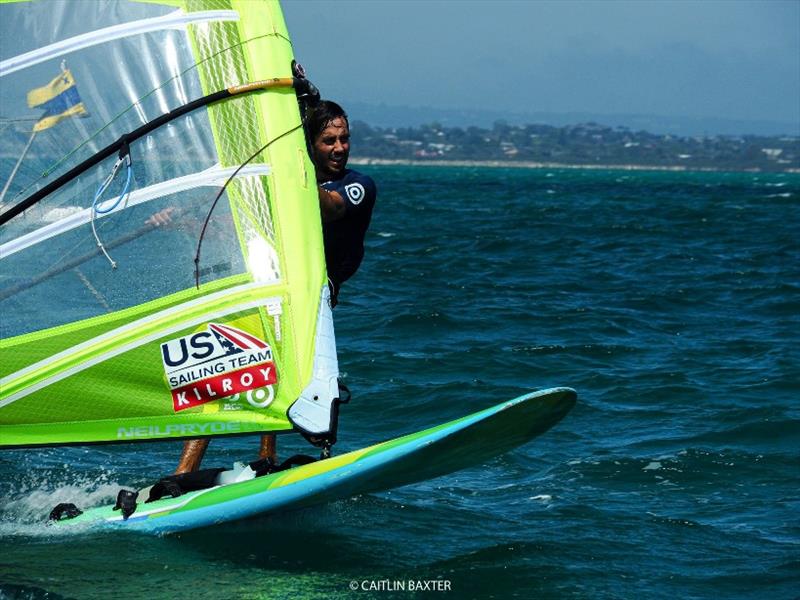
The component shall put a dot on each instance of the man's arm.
(331, 205)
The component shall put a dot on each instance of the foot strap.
(177, 485)
(126, 502)
(64, 511)
(267, 466)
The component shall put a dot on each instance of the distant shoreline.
(519, 164)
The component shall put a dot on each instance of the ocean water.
(669, 301)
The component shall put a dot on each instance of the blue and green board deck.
(465, 442)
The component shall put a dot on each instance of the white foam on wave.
(543, 498)
(35, 504)
(25, 508)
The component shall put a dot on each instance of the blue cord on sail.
(104, 186)
(101, 209)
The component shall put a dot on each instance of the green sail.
(92, 353)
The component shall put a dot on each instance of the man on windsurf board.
(346, 200)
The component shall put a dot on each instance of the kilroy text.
(216, 363)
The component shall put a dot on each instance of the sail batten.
(132, 335)
(214, 176)
(173, 20)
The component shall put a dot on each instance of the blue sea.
(670, 301)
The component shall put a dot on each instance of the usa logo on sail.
(214, 364)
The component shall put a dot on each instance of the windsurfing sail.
(106, 336)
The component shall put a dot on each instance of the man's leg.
(192, 455)
(268, 447)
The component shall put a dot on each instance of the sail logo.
(219, 362)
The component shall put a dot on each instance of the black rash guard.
(344, 238)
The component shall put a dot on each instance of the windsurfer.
(346, 200)
(346, 197)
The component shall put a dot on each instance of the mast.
(27, 146)
(16, 166)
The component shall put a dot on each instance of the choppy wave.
(670, 301)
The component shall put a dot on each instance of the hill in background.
(387, 116)
(586, 144)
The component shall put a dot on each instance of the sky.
(720, 59)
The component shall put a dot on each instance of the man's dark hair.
(320, 116)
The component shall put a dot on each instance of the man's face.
(331, 150)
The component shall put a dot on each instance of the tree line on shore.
(584, 144)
